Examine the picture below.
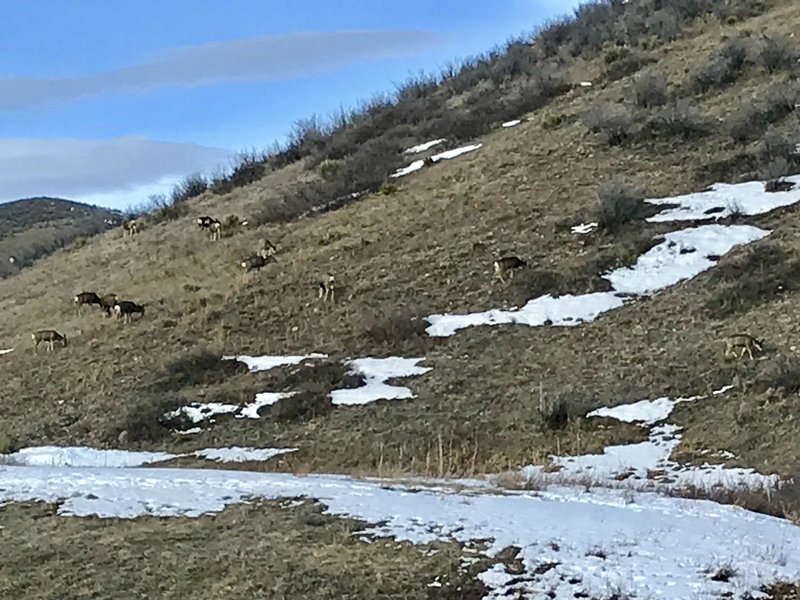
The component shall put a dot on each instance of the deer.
(506, 266)
(255, 263)
(746, 342)
(86, 298)
(211, 225)
(267, 248)
(130, 228)
(107, 303)
(327, 289)
(50, 337)
(126, 309)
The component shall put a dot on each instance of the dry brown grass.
(259, 550)
(425, 249)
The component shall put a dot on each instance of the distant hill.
(34, 227)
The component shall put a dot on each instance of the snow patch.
(425, 146)
(584, 228)
(682, 255)
(376, 371)
(198, 412)
(723, 199)
(446, 155)
(6, 351)
(267, 362)
(651, 546)
(513, 123)
(648, 463)
(239, 454)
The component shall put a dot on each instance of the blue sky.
(109, 101)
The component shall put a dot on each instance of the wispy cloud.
(83, 169)
(258, 58)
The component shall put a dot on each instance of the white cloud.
(257, 58)
(98, 171)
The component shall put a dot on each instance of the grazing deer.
(506, 266)
(254, 263)
(50, 337)
(267, 248)
(211, 225)
(126, 309)
(107, 303)
(746, 342)
(327, 289)
(85, 298)
(130, 228)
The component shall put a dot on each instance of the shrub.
(619, 204)
(781, 373)
(388, 188)
(680, 120)
(144, 421)
(628, 65)
(397, 331)
(330, 168)
(613, 122)
(200, 367)
(777, 54)
(650, 89)
(723, 67)
(191, 187)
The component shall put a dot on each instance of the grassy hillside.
(689, 102)
(34, 227)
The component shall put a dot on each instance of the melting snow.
(584, 228)
(6, 351)
(239, 454)
(376, 371)
(682, 255)
(198, 411)
(649, 462)
(265, 363)
(653, 546)
(513, 123)
(86, 457)
(446, 155)
(722, 199)
(423, 147)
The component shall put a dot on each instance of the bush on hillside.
(777, 54)
(628, 64)
(619, 204)
(650, 89)
(680, 120)
(752, 119)
(723, 67)
(614, 123)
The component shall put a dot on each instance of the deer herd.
(124, 310)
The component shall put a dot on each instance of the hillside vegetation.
(32, 228)
(682, 95)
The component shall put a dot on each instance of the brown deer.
(255, 263)
(126, 309)
(130, 228)
(107, 303)
(211, 225)
(85, 298)
(506, 266)
(744, 341)
(327, 289)
(50, 337)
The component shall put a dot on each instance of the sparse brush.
(650, 89)
(619, 204)
(723, 67)
(615, 123)
(777, 54)
(681, 120)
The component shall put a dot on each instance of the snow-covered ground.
(6, 351)
(723, 199)
(267, 362)
(424, 146)
(648, 464)
(572, 542)
(87, 457)
(513, 123)
(682, 255)
(446, 155)
(376, 371)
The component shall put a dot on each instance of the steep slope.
(34, 227)
(427, 248)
